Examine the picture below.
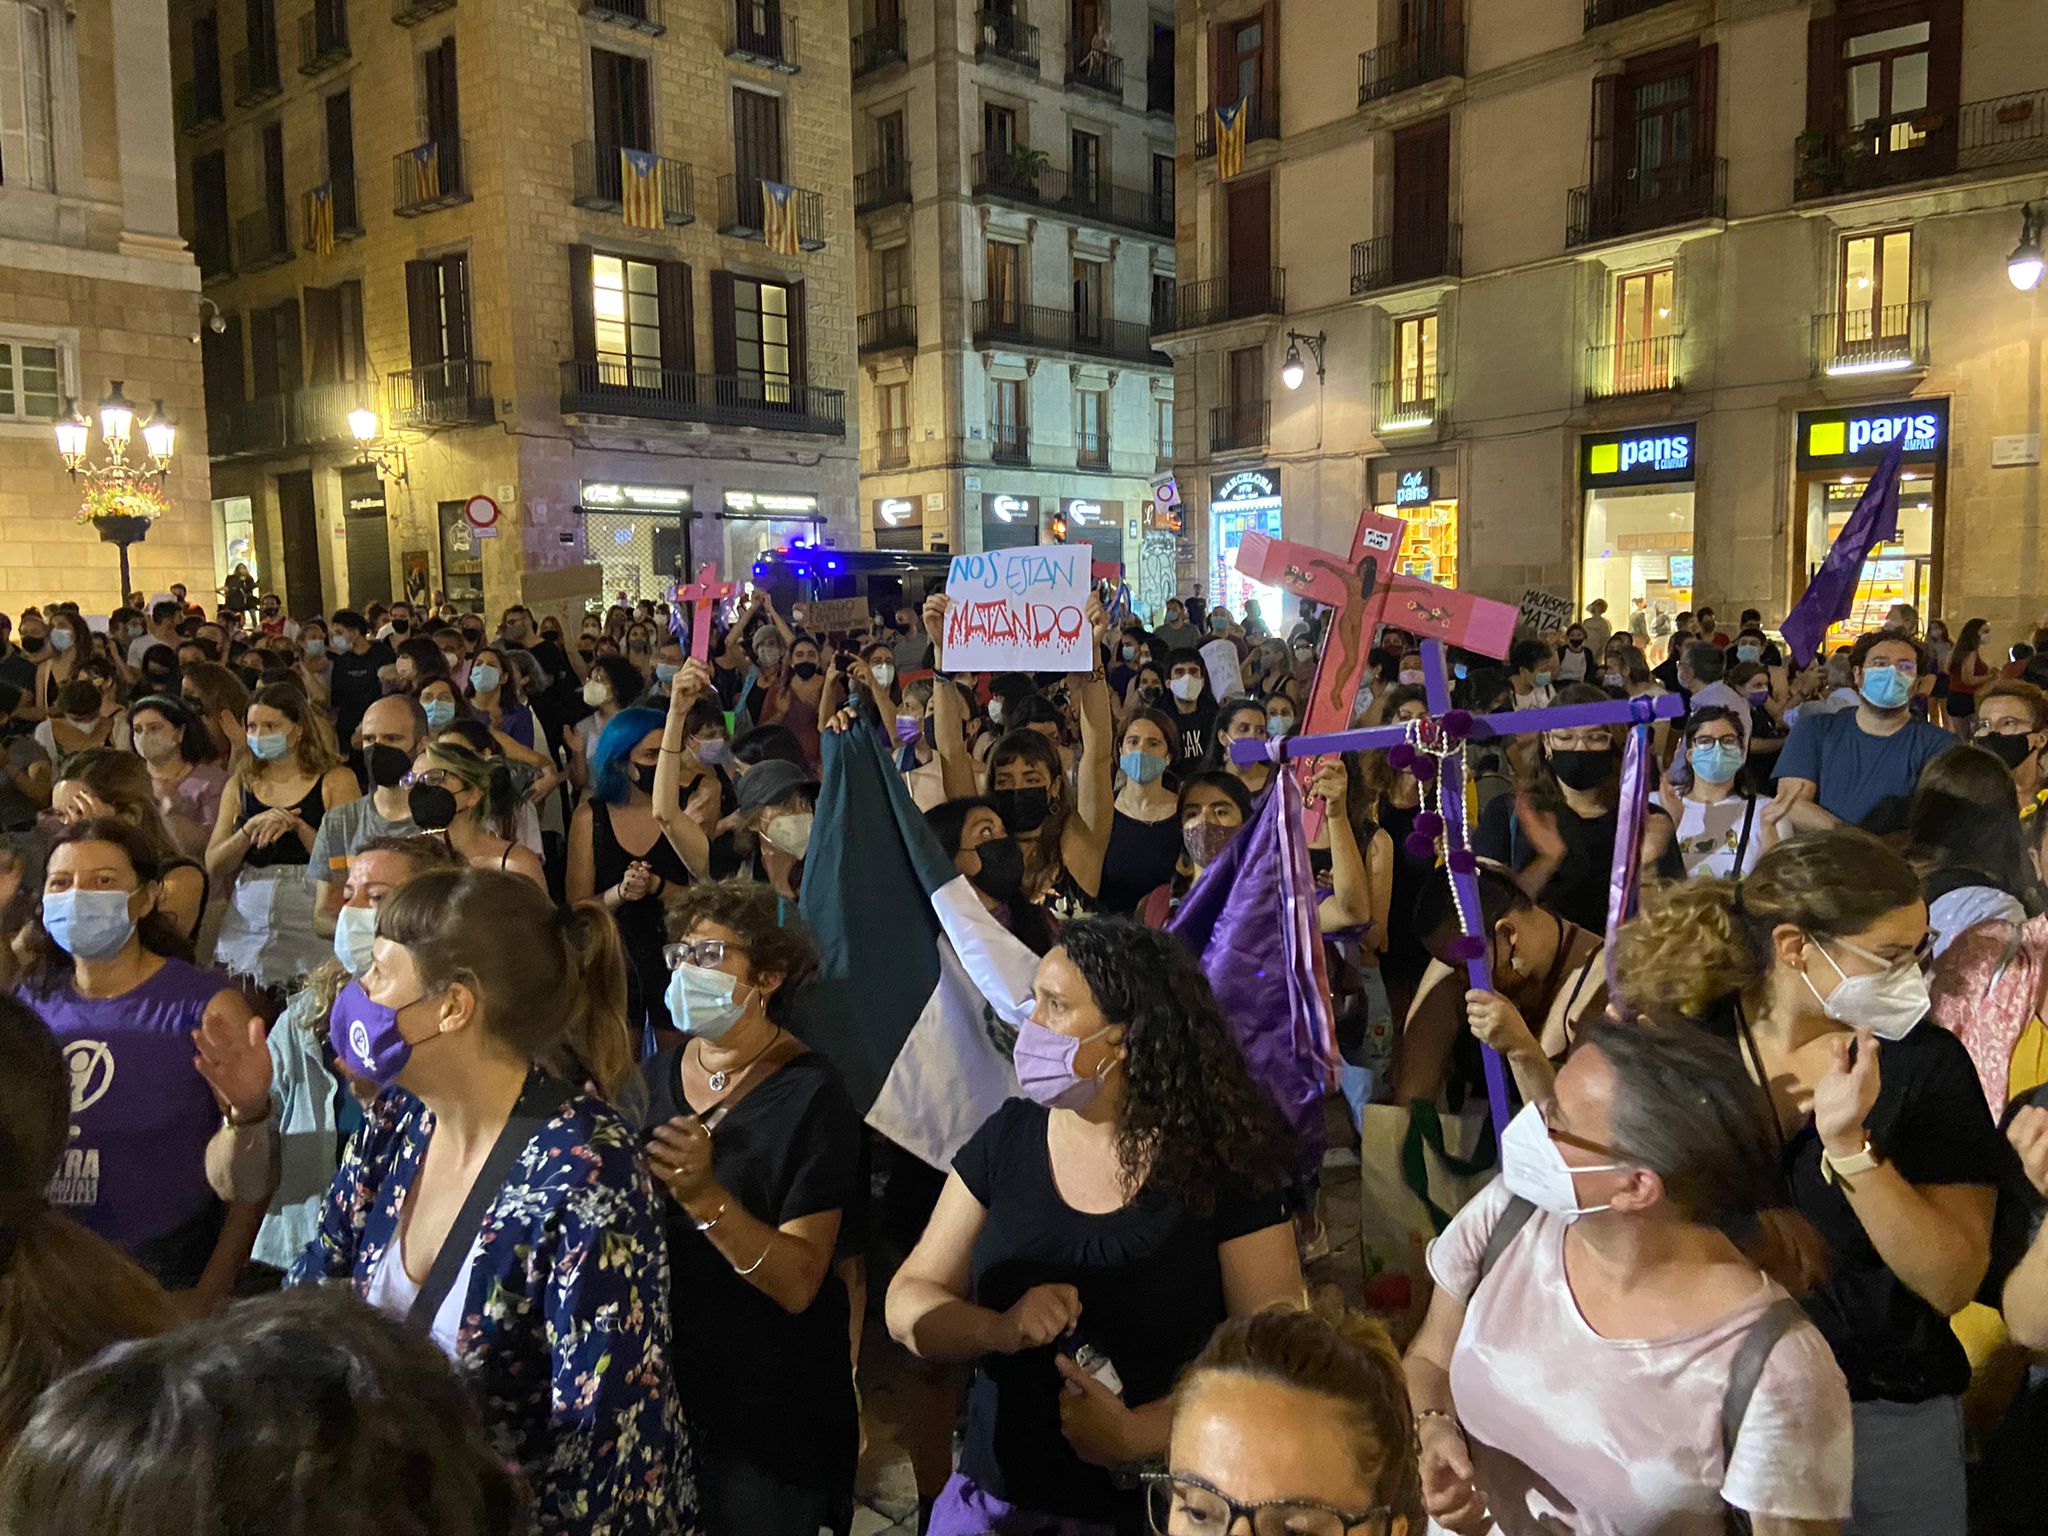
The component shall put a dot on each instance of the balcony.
(635, 15)
(1921, 146)
(429, 176)
(263, 239)
(1621, 369)
(1009, 442)
(1019, 177)
(213, 249)
(1091, 450)
(888, 330)
(1006, 40)
(615, 388)
(1159, 87)
(598, 177)
(410, 13)
(880, 187)
(882, 44)
(1239, 426)
(1600, 12)
(1093, 69)
(890, 450)
(347, 207)
(1405, 402)
(1647, 198)
(1405, 63)
(1394, 261)
(313, 417)
(256, 78)
(199, 107)
(1888, 340)
(323, 38)
(764, 32)
(1235, 296)
(450, 394)
(1262, 121)
(740, 211)
(1044, 328)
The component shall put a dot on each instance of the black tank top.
(640, 922)
(287, 849)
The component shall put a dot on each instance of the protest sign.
(838, 616)
(1226, 677)
(1019, 610)
(1543, 614)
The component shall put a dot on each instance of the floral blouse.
(565, 1330)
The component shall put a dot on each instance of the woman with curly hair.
(1092, 1235)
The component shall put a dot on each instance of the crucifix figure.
(703, 595)
(1433, 749)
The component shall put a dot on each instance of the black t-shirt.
(756, 1381)
(1151, 1290)
(17, 669)
(352, 684)
(555, 704)
(1194, 729)
(1577, 891)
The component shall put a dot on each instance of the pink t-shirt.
(1573, 1434)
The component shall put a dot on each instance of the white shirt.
(1710, 835)
(1537, 697)
(393, 1291)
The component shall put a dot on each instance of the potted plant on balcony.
(1022, 165)
(1819, 171)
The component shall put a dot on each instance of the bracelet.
(269, 1107)
(758, 1262)
(716, 1216)
(672, 751)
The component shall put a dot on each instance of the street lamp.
(388, 458)
(1291, 370)
(2023, 266)
(122, 498)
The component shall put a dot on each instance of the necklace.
(718, 1080)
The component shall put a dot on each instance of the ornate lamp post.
(121, 498)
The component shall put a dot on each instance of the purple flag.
(1832, 591)
(1250, 918)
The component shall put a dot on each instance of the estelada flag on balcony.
(423, 174)
(1230, 138)
(640, 189)
(1830, 595)
(320, 221)
(778, 217)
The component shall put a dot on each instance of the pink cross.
(704, 595)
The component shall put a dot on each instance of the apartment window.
(1088, 300)
(625, 303)
(757, 138)
(1877, 285)
(1162, 298)
(260, 32)
(341, 161)
(1006, 418)
(892, 277)
(25, 156)
(761, 329)
(31, 380)
(1085, 151)
(334, 334)
(1005, 281)
(206, 92)
(1644, 323)
(277, 366)
(892, 408)
(273, 172)
(1247, 48)
(437, 310)
(221, 366)
(998, 129)
(441, 109)
(891, 153)
(1885, 77)
(621, 109)
(1162, 183)
(210, 213)
(1415, 359)
(1091, 416)
(1162, 430)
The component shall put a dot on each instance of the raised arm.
(1085, 843)
(683, 833)
(949, 715)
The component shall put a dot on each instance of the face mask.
(82, 723)
(769, 660)
(1002, 868)
(1142, 767)
(791, 833)
(995, 711)
(1186, 688)
(60, 640)
(665, 671)
(1716, 762)
(1616, 680)
(269, 745)
(711, 752)
(1542, 680)
(136, 631)
(1044, 1059)
(1749, 653)
(1022, 810)
(387, 764)
(483, 678)
(1532, 1167)
(1888, 1003)
(158, 746)
(1204, 840)
(88, 925)
(401, 626)
(365, 1034)
(885, 673)
(643, 776)
(33, 643)
(355, 931)
(1151, 693)
(805, 670)
(316, 648)
(440, 713)
(1129, 653)
(2009, 750)
(701, 1001)
(1411, 679)
(1279, 725)
(908, 729)
(595, 693)
(431, 806)
(1219, 624)
(1886, 687)
(1582, 770)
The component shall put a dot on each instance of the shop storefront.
(1008, 522)
(1246, 502)
(758, 521)
(1098, 524)
(1635, 543)
(234, 539)
(1834, 454)
(366, 537)
(898, 522)
(1423, 493)
(639, 534)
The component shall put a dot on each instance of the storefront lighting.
(1420, 415)
(2023, 266)
(1291, 370)
(1874, 365)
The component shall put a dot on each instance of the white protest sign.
(1020, 610)
(1226, 677)
(1543, 612)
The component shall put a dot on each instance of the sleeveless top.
(1141, 856)
(287, 849)
(642, 926)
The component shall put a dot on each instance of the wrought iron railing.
(1407, 256)
(1645, 198)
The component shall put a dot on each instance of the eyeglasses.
(429, 778)
(1186, 1506)
(1922, 956)
(706, 952)
(1546, 1107)
(2000, 728)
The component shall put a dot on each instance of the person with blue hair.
(621, 853)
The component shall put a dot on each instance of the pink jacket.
(1987, 985)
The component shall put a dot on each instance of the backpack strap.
(1755, 1350)
(1513, 1217)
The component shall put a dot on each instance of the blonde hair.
(316, 752)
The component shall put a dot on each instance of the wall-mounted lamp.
(2023, 266)
(388, 457)
(1291, 371)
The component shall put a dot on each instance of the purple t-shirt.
(134, 1171)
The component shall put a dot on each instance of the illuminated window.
(1415, 360)
(1877, 286)
(1645, 320)
(625, 301)
(760, 331)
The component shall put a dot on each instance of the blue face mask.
(88, 925)
(440, 713)
(484, 678)
(269, 745)
(1279, 725)
(316, 648)
(1542, 679)
(1886, 687)
(1716, 762)
(1142, 767)
(665, 671)
(702, 1001)
(355, 936)
(1749, 653)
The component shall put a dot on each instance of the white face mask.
(595, 693)
(1532, 1167)
(885, 673)
(1186, 688)
(791, 833)
(1889, 1003)
(355, 933)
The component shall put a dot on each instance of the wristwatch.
(1835, 1169)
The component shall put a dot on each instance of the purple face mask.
(366, 1036)
(1044, 1059)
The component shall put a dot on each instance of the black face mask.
(387, 764)
(2009, 750)
(1002, 868)
(586, 652)
(643, 775)
(473, 637)
(1582, 770)
(1151, 693)
(431, 806)
(931, 732)
(805, 670)
(33, 644)
(1022, 810)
